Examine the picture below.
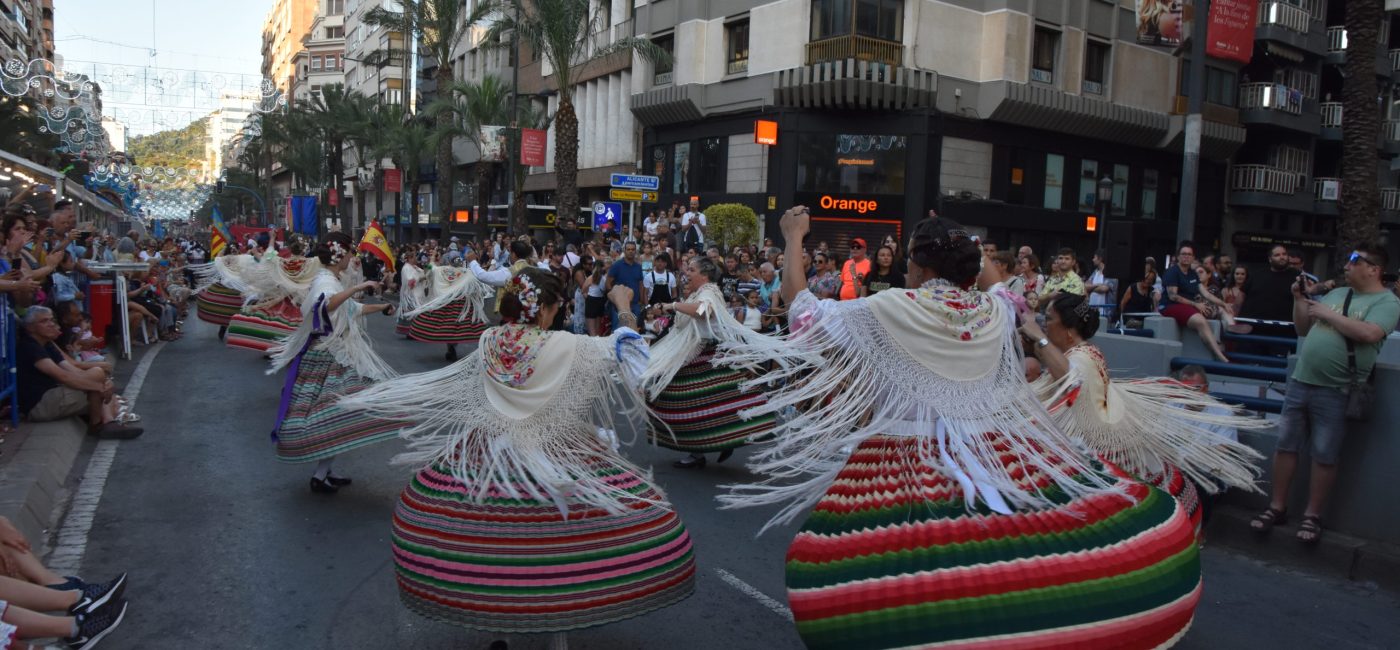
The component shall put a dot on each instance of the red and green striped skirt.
(316, 427)
(699, 410)
(1183, 490)
(442, 325)
(260, 329)
(517, 565)
(891, 558)
(218, 303)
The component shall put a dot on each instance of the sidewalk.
(1336, 554)
(37, 467)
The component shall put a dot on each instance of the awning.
(1053, 110)
(1282, 51)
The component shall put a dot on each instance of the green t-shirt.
(1322, 359)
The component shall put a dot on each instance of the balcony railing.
(1395, 60)
(1263, 178)
(1336, 39)
(661, 78)
(863, 48)
(1272, 96)
(1390, 199)
(1391, 129)
(1284, 15)
(1327, 189)
(1331, 115)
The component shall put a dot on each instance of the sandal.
(1310, 530)
(1268, 519)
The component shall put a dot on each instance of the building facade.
(283, 29)
(321, 60)
(26, 30)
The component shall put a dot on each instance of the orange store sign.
(765, 132)
(860, 206)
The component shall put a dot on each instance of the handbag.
(1361, 393)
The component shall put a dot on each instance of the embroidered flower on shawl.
(510, 353)
(966, 313)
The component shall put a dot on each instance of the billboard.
(1230, 33)
(1163, 22)
(494, 143)
(532, 144)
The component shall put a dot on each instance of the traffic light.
(1091, 223)
(219, 187)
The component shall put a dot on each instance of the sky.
(213, 36)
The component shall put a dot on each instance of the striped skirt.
(699, 410)
(442, 326)
(218, 304)
(890, 558)
(401, 326)
(260, 329)
(316, 426)
(516, 566)
(1173, 482)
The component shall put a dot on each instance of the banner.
(1230, 33)
(303, 214)
(1163, 22)
(216, 218)
(393, 181)
(493, 143)
(532, 144)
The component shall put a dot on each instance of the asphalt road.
(227, 547)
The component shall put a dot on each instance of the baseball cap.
(858, 243)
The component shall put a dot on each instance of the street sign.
(635, 182)
(633, 195)
(607, 217)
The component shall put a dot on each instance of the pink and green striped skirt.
(442, 326)
(518, 566)
(260, 329)
(699, 410)
(218, 303)
(891, 558)
(316, 427)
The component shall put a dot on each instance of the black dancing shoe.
(451, 354)
(321, 486)
(690, 462)
(724, 455)
(338, 481)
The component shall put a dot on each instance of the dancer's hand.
(796, 223)
(621, 297)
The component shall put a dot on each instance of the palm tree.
(1359, 219)
(330, 118)
(439, 25)
(475, 105)
(409, 141)
(563, 32)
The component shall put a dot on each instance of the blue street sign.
(607, 216)
(636, 182)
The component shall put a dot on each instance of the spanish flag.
(217, 243)
(375, 244)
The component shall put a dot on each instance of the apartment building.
(225, 124)
(321, 60)
(283, 29)
(365, 66)
(26, 30)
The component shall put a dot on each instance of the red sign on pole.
(393, 180)
(532, 144)
(1230, 33)
(335, 197)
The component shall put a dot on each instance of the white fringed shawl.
(904, 363)
(449, 284)
(689, 335)
(347, 341)
(229, 270)
(413, 289)
(262, 282)
(534, 440)
(1142, 424)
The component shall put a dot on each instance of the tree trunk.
(444, 160)
(360, 203)
(517, 204)
(566, 160)
(1359, 219)
(483, 198)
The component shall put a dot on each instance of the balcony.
(854, 46)
(1395, 63)
(1290, 25)
(1390, 204)
(1336, 39)
(1331, 121)
(1326, 193)
(1390, 137)
(1266, 186)
(1277, 105)
(1337, 50)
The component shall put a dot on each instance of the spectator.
(693, 225)
(1063, 278)
(52, 388)
(988, 248)
(64, 287)
(901, 267)
(627, 272)
(996, 272)
(1194, 377)
(825, 283)
(1187, 304)
(1140, 297)
(748, 282)
(1295, 260)
(729, 279)
(1342, 336)
(1098, 289)
(15, 273)
(854, 271)
(659, 284)
(884, 275)
(1032, 282)
(1233, 293)
(651, 224)
(1268, 294)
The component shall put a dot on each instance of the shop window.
(1088, 185)
(1120, 190)
(737, 45)
(1096, 59)
(709, 165)
(1054, 181)
(1149, 194)
(680, 168)
(656, 158)
(1043, 54)
(851, 164)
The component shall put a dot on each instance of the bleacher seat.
(1279, 342)
(1260, 404)
(1258, 359)
(1236, 370)
(1127, 331)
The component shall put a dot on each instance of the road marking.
(752, 592)
(67, 556)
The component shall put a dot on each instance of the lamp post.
(1105, 206)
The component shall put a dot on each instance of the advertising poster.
(1230, 33)
(1163, 22)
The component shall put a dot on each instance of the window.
(709, 165)
(656, 157)
(1046, 49)
(680, 168)
(335, 32)
(1149, 194)
(737, 37)
(1120, 190)
(315, 64)
(331, 62)
(1054, 181)
(1088, 185)
(1095, 67)
(882, 19)
(335, 7)
(663, 69)
(851, 164)
(1221, 85)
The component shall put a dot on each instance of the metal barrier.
(9, 377)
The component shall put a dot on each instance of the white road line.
(67, 556)
(752, 592)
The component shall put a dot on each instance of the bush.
(731, 224)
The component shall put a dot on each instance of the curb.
(33, 475)
(1336, 554)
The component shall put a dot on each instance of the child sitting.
(89, 347)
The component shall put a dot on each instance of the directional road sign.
(636, 182)
(607, 216)
(633, 195)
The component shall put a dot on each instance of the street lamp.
(1105, 205)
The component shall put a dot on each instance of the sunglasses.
(1358, 257)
